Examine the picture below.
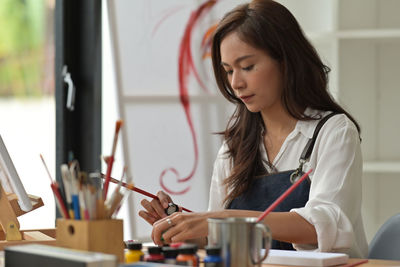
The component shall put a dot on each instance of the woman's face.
(254, 76)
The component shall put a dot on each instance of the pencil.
(136, 189)
(59, 200)
(74, 172)
(66, 177)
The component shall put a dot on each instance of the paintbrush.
(283, 196)
(116, 198)
(136, 189)
(111, 158)
(57, 193)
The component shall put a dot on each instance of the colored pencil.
(74, 171)
(66, 177)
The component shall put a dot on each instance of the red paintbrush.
(111, 158)
(283, 196)
(56, 191)
(136, 189)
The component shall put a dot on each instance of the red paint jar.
(154, 255)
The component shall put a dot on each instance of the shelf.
(321, 37)
(381, 167)
(211, 97)
(373, 34)
(369, 34)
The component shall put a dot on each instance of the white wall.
(157, 135)
(362, 51)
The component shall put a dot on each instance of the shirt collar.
(307, 128)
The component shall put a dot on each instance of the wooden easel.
(10, 234)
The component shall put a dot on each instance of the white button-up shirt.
(334, 204)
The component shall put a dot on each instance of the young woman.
(264, 64)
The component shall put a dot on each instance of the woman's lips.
(246, 98)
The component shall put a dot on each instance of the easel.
(11, 235)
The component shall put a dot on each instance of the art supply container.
(240, 240)
(98, 235)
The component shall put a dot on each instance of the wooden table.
(374, 263)
(369, 263)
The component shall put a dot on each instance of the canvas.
(9, 179)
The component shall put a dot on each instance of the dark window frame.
(78, 46)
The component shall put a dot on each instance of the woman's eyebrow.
(237, 60)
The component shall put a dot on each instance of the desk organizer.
(97, 235)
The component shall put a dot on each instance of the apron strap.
(310, 144)
(305, 155)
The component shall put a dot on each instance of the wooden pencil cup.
(98, 235)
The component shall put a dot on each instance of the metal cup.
(240, 239)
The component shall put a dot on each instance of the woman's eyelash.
(248, 68)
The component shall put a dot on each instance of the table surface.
(371, 262)
(351, 261)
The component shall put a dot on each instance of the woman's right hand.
(155, 209)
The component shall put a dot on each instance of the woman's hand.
(180, 227)
(155, 209)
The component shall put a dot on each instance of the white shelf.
(159, 98)
(361, 46)
(320, 37)
(381, 167)
(373, 34)
(368, 34)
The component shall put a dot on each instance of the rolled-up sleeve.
(334, 205)
(220, 172)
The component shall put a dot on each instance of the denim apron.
(265, 190)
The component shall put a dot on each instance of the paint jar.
(170, 254)
(154, 255)
(213, 258)
(187, 255)
(134, 252)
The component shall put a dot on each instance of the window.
(27, 107)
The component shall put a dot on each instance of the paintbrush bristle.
(118, 125)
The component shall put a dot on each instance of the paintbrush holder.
(97, 235)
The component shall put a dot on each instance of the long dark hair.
(269, 26)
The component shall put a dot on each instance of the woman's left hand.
(180, 227)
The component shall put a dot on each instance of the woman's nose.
(237, 81)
